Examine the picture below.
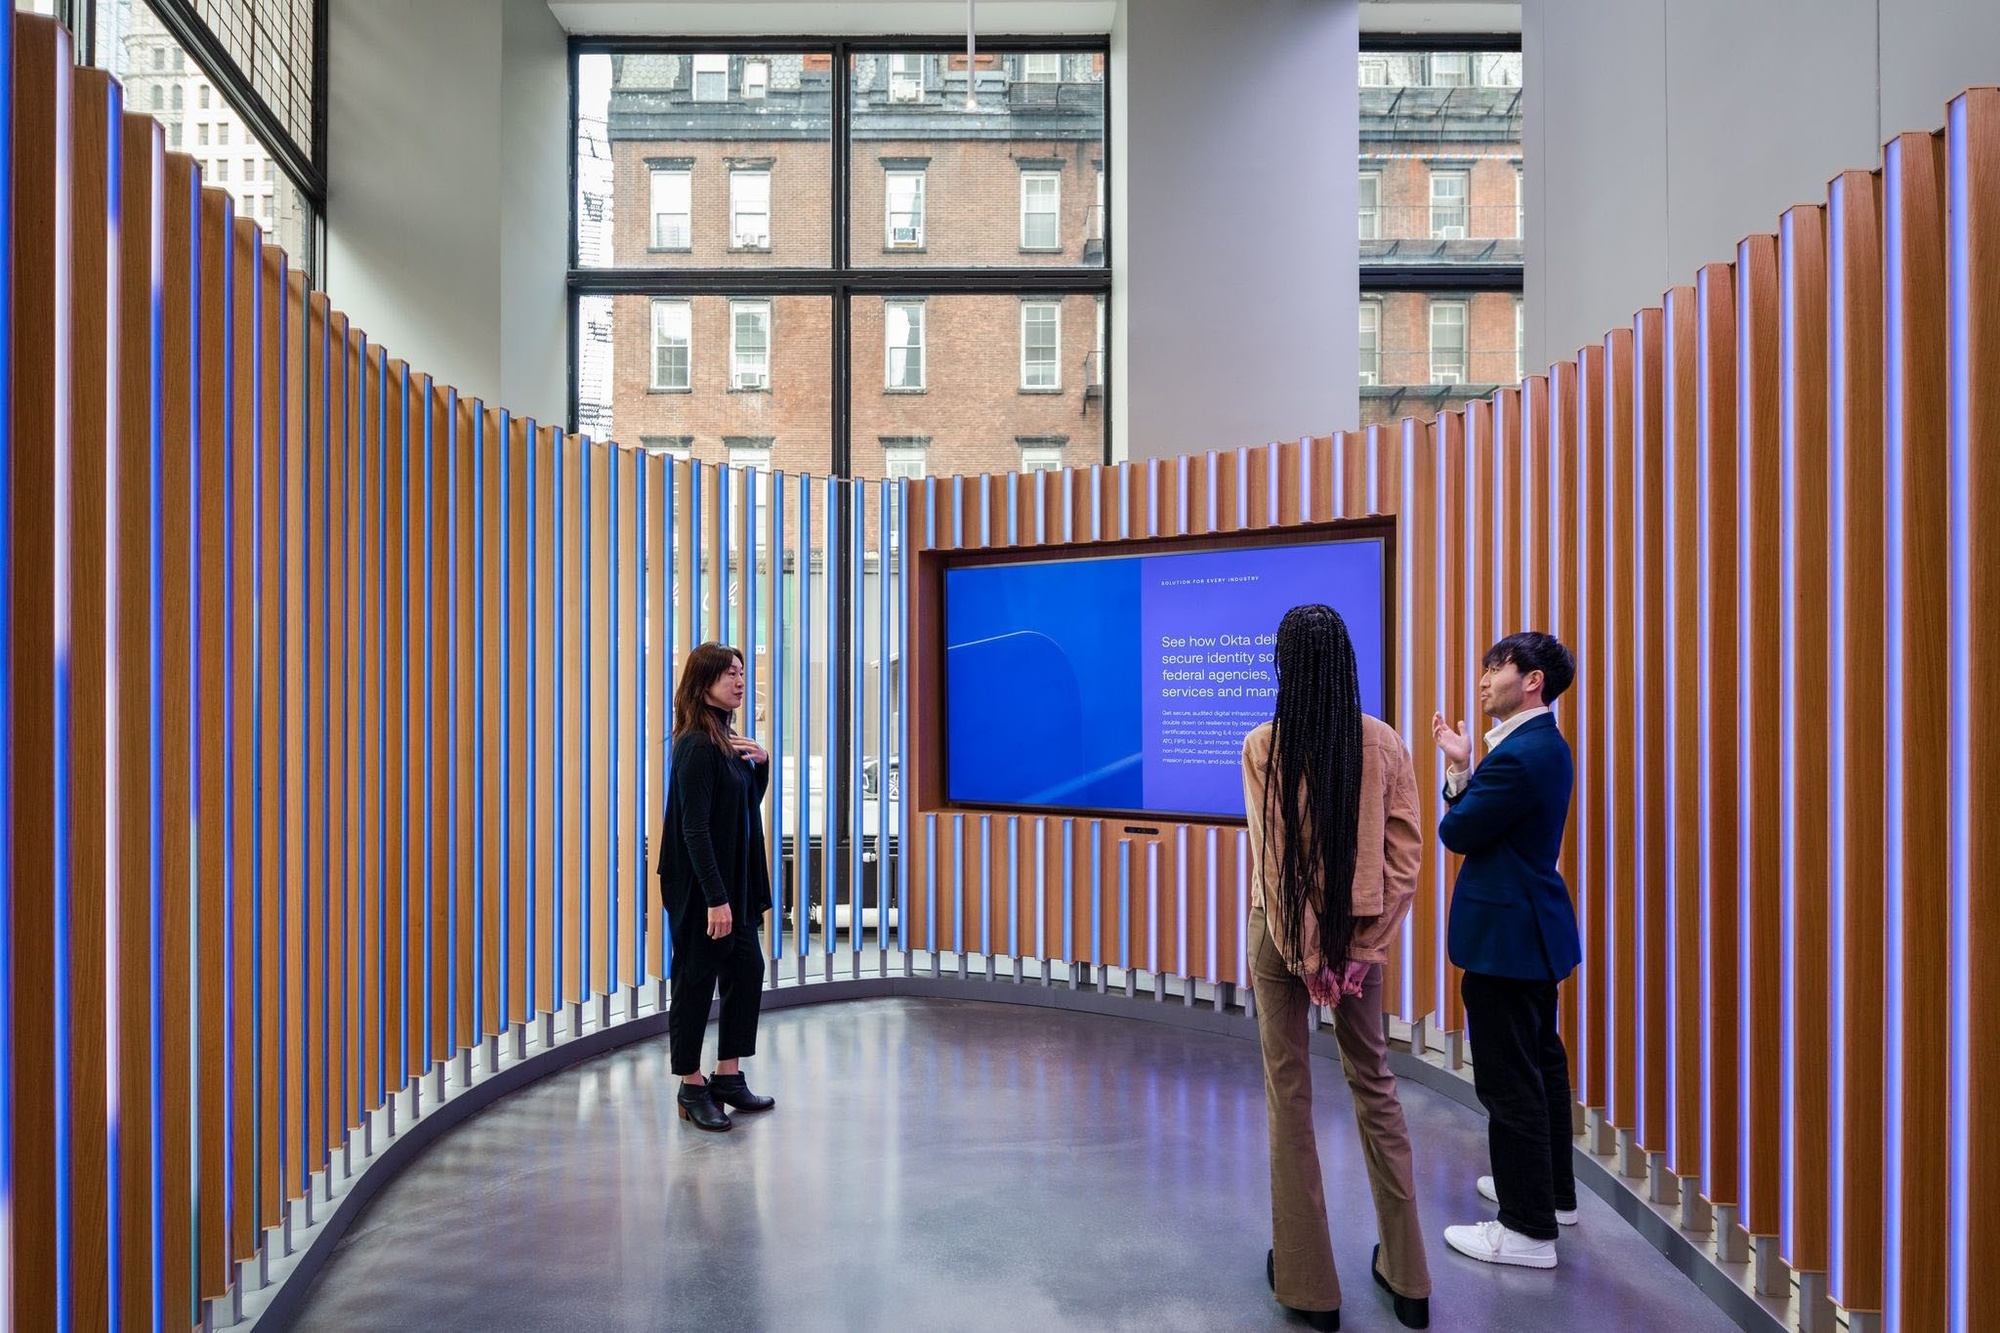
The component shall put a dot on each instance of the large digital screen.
(1127, 683)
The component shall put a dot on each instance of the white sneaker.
(1566, 1216)
(1491, 1243)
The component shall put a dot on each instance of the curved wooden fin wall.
(335, 719)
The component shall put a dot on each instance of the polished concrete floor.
(935, 1165)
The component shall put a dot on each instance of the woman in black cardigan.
(716, 885)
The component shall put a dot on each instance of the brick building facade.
(723, 163)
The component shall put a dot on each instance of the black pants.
(700, 964)
(1521, 1073)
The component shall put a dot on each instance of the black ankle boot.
(733, 1091)
(699, 1106)
(1326, 1321)
(1411, 1311)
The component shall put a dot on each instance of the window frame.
(1371, 369)
(1369, 176)
(1436, 305)
(1053, 213)
(1031, 73)
(1045, 458)
(851, 269)
(1055, 351)
(894, 454)
(744, 305)
(921, 325)
(658, 306)
(1439, 175)
(739, 176)
(706, 63)
(686, 177)
(889, 178)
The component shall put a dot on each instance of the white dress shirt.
(1456, 778)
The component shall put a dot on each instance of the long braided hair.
(1312, 778)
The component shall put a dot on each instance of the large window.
(1440, 217)
(248, 80)
(722, 293)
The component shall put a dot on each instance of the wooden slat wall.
(341, 754)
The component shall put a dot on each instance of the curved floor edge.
(317, 1229)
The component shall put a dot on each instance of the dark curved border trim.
(283, 1300)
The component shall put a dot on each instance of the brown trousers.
(1306, 1278)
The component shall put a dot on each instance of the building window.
(756, 79)
(903, 462)
(270, 170)
(750, 210)
(1371, 205)
(222, 133)
(903, 334)
(1451, 69)
(173, 133)
(221, 168)
(1520, 215)
(906, 78)
(1041, 67)
(711, 78)
(1041, 458)
(178, 90)
(752, 456)
(1374, 72)
(159, 98)
(1448, 204)
(1447, 342)
(159, 58)
(672, 325)
(1041, 196)
(201, 134)
(1371, 342)
(673, 210)
(1041, 345)
(905, 210)
(201, 99)
(750, 344)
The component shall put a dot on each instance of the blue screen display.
(1129, 682)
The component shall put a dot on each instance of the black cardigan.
(712, 847)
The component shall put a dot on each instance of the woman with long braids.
(716, 885)
(1334, 844)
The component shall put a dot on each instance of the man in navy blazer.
(1512, 930)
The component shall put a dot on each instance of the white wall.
(1233, 197)
(1660, 132)
(447, 207)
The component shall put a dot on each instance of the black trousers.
(1521, 1073)
(700, 965)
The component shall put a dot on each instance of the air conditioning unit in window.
(1446, 377)
(902, 235)
(1452, 233)
(671, 237)
(752, 379)
(1368, 377)
(753, 240)
(906, 88)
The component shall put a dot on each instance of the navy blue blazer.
(1510, 910)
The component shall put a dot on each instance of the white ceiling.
(834, 18)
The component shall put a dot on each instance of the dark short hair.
(1531, 650)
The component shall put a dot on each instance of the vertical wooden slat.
(1802, 366)
(1621, 811)
(40, 351)
(92, 408)
(1419, 538)
(246, 503)
(465, 782)
(575, 855)
(440, 837)
(1917, 1246)
(1715, 294)
(347, 351)
(210, 576)
(1597, 670)
(178, 502)
(273, 783)
(291, 523)
(1856, 733)
(1760, 709)
(1973, 302)
(1680, 761)
(518, 555)
(316, 887)
(139, 260)
(491, 713)
(660, 689)
(1455, 590)
(549, 704)
(1646, 665)
(600, 838)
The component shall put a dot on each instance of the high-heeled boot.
(733, 1091)
(698, 1106)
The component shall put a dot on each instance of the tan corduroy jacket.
(1388, 851)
